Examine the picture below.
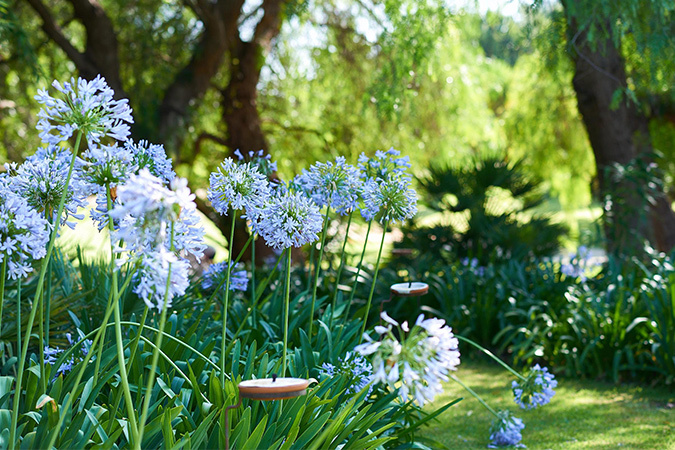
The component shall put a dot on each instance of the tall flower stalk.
(317, 271)
(235, 187)
(374, 282)
(288, 219)
(38, 297)
(228, 275)
(358, 273)
(287, 301)
(155, 353)
(338, 275)
(335, 185)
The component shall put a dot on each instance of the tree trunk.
(619, 134)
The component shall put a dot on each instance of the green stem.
(471, 391)
(38, 296)
(119, 343)
(48, 302)
(155, 359)
(132, 355)
(18, 317)
(253, 268)
(99, 355)
(312, 251)
(342, 263)
(317, 271)
(372, 287)
(99, 332)
(491, 355)
(254, 305)
(227, 298)
(358, 273)
(3, 274)
(287, 295)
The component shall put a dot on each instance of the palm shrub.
(489, 212)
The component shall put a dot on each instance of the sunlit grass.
(582, 415)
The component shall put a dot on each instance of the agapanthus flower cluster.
(146, 210)
(154, 274)
(506, 431)
(383, 164)
(106, 165)
(24, 234)
(152, 157)
(259, 159)
(420, 361)
(217, 273)
(238, 186)
(155, 222)
(288, 219)
(578, 266)
(536, 390)
(51, 355)
(87, 106)
(42, 182)
(391, 199)
(336, 185)
(355, 368)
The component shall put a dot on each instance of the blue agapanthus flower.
(83, 105)
(216, 273)
(106, 165)
(355, 367)
(391, 199)
(336, 185)
(536, 390)
(259, 159)
(24, 234)
(288, 219)
(153, 278)
(152, 157)
(146, 210)
(42, 182)
(506, 431)
(238, 186)
(383, 164)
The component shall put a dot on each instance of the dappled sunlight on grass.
(583, 414)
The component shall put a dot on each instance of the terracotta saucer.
(274, 388)
(413, 289)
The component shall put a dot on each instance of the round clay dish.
(274, 389)
(409, 289)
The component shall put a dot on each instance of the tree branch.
(53, 30)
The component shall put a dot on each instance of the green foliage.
(612, 325)
(489, 213)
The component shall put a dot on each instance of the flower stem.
(118, 328)
(38, 296)
(317, 270)
(3, 274)
(342, 263)
(227, 298)
(132, 355)
(101, 330)
(358, 273)
(155, 359)
(253, 268)
(491, 355)
(18, 316)
(472, 392)
(372, 287)
(287, 297)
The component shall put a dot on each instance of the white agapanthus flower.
(420, 361)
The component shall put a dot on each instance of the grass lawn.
(583, 414)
